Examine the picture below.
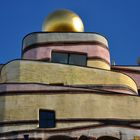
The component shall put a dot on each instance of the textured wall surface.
(87, 100)
(98, 64)
(91, 49)
(94, 52)
(68, 105)
(132, 71)
(39, 46)
(35, 38)
(49, 73)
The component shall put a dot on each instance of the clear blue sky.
(118, 20)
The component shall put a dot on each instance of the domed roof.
(63, 21)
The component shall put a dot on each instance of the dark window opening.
(60, 57)
(26, 137)
(107, 138)
(60, 137)
(46, 118)
(69, 58)
(56, 84)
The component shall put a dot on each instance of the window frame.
(68, 59)
(47, 120)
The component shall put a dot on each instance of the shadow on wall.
(63, 137)
(107, 138)
(60, 137)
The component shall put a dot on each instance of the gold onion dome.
(63, 21)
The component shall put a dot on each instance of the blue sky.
(118, 20)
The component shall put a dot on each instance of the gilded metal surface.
(63, 21)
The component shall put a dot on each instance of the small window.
(78, 59)
(60, 57)
(69, 58)
(46, 118)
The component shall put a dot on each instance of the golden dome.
(63, 21)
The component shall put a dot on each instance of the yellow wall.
(98, 64)
(87, 105)
(48, 73)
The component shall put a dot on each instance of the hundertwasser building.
(64, 87)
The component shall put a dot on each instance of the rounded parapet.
(98, 63)
(132, 71)
(43, 37)
(72, 108)
(39, 46)
(50, 73)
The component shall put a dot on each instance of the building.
(64, 87)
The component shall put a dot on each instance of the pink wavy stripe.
(45, 51)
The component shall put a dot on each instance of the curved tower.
(64, 87)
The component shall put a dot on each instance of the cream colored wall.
(48, 73)
(87, 105)
(35, 38)
(14, 127)
(13, 71)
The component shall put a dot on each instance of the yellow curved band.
(49, 73)
(98, 64)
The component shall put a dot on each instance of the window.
(60, 57)
(69, 58)
(77, 59)
(46, 118)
